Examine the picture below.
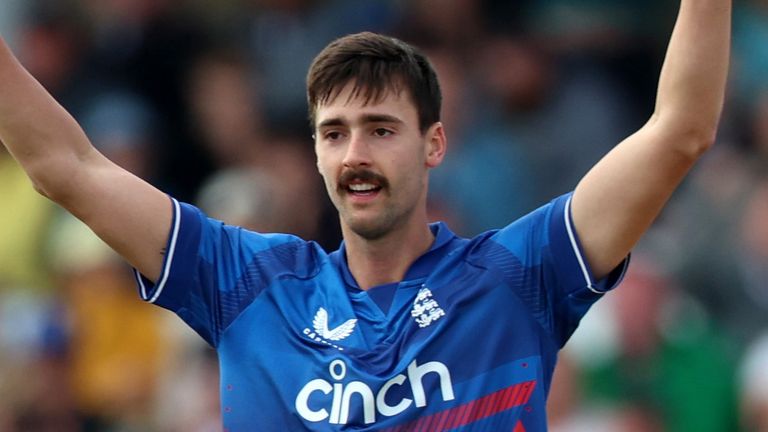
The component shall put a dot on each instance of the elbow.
(702, 140)
(689, 137)
(690, 146)
(52, 179)
(697, 141)
(56, 174)
(40, 188)
(45, 183)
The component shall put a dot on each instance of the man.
(406, 327)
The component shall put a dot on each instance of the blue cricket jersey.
(466, 342)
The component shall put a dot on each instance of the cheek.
(415, 160)
(321, 163)
(324, 175)
(410, 171)
(323, 169)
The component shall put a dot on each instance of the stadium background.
(205, 99)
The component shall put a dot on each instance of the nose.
(358, 152)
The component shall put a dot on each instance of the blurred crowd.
(205, 99)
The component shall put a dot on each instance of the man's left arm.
(618, 199)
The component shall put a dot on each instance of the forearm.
(38, 132)
(639, 175)
(692, 82)
(128, 213)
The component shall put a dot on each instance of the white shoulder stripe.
(169, 257)
(575, 246)
(143, 289)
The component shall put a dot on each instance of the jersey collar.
(418, 270)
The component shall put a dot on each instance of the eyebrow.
(366, 118)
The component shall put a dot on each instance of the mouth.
(362, 184)
(362, 189)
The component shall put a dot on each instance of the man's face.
(374, 161)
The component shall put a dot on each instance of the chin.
(370, 229)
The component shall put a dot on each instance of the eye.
(382, 132)
(332, 135)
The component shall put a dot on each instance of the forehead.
(350, 104)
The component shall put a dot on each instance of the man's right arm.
(129, 214)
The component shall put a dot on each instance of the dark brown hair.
(377, 64)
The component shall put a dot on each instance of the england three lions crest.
(425, 308)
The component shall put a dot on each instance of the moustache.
(362, 175)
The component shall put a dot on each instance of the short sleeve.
(542, 259)
(212, 271)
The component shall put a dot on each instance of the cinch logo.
(312, 405)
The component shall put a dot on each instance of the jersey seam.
(576, 250)
(166, 270)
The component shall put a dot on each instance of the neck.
(385, 260)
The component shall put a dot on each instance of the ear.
(436, 145)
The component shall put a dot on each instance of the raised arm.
(619, 198)
(129, 214)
